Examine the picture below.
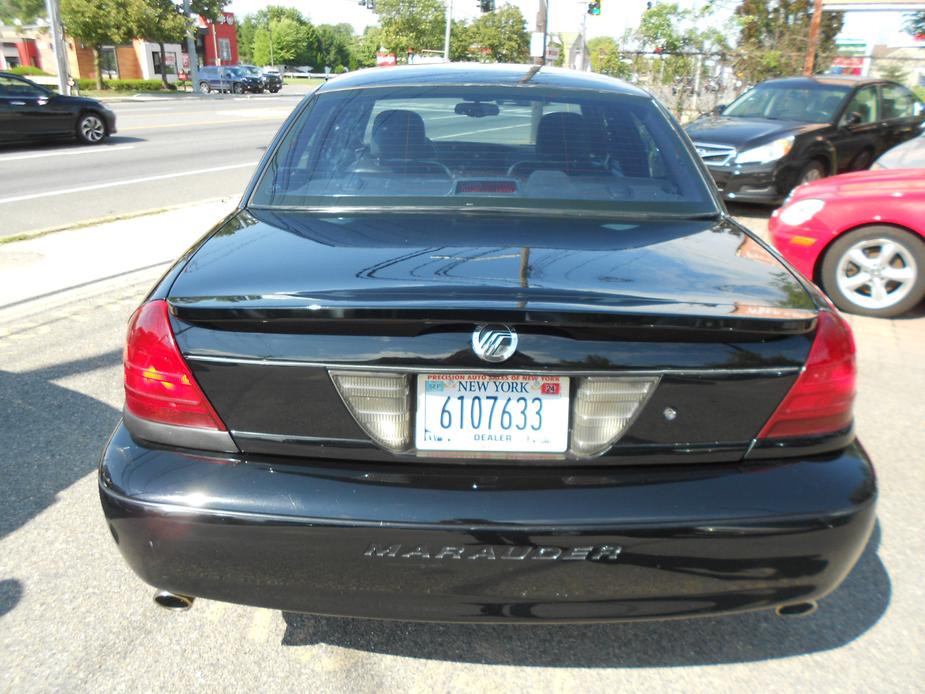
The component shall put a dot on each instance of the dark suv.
(785, 132)
(272, 82)
(229, 78)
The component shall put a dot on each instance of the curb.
(29, 235)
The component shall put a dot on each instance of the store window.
(224, 50)
(108, 63)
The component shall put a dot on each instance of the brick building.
(216, 44)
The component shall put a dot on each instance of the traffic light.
(594, 8)
(487, 5)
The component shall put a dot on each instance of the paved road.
(73, 617)
(166, 153)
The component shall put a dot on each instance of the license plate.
(487, 412)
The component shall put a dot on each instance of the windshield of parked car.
(251, 70)
(236, 72)
(493, 147)
(809, 103)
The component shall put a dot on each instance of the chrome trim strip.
(739, 524)
(772, 371)
(285, 438)
(182, 437)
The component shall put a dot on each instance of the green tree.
(504, 33)
(606, 59)
(26, 11)
(246, 30)
(411, 26)
(294, 43)
(363, 48)
(915, 24)
(333, 49)
(774, 36)
(98, 22)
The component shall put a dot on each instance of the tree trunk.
(163, 63)
(98, 61)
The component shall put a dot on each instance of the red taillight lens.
(820, 402)
(159, 386)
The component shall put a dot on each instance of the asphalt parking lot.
(74, 617)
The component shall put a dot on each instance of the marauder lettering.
(378, 550)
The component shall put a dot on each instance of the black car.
(29, 111)
(481, 344)
(785, 132)
(228, 78)
(271, 81)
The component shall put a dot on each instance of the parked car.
(861, 237)
(269, 81)
(480, 343)
(29, 111)
(908, 155)
(229, 78)
(785, 132)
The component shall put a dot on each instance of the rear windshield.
(813, 103)
(475, 147)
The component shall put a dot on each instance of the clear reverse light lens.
(766, 153)
(380, 403)
(801, 212)
(602, 410)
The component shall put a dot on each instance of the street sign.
(536, 44)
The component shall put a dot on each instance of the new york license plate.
(487, 412)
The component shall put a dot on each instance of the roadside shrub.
(84, 85)
(27, 70)
(340, 70)
(134, 85)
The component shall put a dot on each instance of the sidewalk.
(69, 260)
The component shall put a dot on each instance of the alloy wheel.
(876, 273)
(92, 129)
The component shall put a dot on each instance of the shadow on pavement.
(52, 145)
(50, 436)
(10, 594)
(846, 614)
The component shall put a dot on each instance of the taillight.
(159, 386)
(821, 400)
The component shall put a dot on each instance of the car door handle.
(17, 103)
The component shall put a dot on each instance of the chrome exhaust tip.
(173, 601)
(797, 609)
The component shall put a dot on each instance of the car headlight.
(801, 212)
(765, 153)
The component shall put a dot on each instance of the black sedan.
(785, 132)
(29, 111)
(481, 344)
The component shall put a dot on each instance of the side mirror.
(853, 118)
(718, 110)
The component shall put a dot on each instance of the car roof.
(839, 80)
(459, 74)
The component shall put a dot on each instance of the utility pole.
(542, 24)
(809, 62)
(57, 38)
(446, 35)
(191, 51)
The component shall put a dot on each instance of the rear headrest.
(563, 136)
(399, 134)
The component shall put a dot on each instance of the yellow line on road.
(242, 121)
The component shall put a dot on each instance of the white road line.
(476, 132)
(129, 182)
(68, 152)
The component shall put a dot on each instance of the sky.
(566, 15)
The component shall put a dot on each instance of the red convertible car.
(861, 237)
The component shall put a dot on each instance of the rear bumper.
(457, 544)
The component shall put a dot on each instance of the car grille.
(719, 155)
